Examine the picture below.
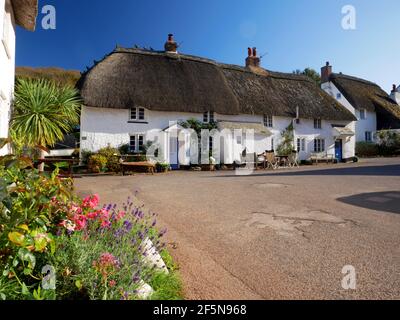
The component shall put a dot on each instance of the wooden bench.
(128, 166)
(322, 156)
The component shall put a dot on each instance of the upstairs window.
(317, 124)
(363, 114)
(208, 117)
(268, 121)
(137, 114)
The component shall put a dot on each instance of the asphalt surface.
(285, 234)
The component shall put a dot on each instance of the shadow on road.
(388, 201)
(388, 170)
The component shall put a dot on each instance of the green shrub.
(97, 163)
(85, 155)
(124, 149)
(162, 167)
(29, 215)
(112, 156)
(389, 143)
(367, 149)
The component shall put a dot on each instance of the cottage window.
(317, 124)
(136, 143)
(339, 96)
(268, 121)
(301, 144)
(319, 145)
(208, 117)
(368, 136)
(272, 144)
(137, 114)
(363, 114)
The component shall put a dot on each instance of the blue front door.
(339, 150)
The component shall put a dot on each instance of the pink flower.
(92, 215)
(91, 201)
(69, 225)
(120, 215)
(80, 221)
(75, 209)
(112, 283)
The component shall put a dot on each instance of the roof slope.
(169, 82)
(25, 12)
(363, 94)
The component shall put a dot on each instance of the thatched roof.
(25, 12)
(363, 94)
(175, 82)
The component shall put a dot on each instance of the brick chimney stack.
(252, 60)
(171, 46)
(326, 72)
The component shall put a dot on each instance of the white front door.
(173, 152)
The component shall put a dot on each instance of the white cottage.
(12, 13)
(366, 100)
(133, 96)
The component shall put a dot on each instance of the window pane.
(303, 144)
(211, 116)
(133, 114)
(141, 142)
(133, 144)
(205, 117)
(298, 145)
(141, 114)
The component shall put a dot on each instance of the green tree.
(44, 112)
(311, 73)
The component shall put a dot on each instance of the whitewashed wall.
(7, 68)
(102, 127)
(362, 125)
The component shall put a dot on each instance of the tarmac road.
(283, 234)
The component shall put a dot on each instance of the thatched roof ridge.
(176, 82)
(363, 94)
(25, 12)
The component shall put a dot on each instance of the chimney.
(252, 60)
(394, 88)
(171, 46)
(326, 71)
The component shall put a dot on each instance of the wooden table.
(126, 166)
(282, 159)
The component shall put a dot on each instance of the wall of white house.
(102, 127)
(362, 126)
(7, 67)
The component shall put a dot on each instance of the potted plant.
(162, 167)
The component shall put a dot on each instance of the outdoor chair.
(272, 161)
(293, 160)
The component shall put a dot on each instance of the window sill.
(139, 122)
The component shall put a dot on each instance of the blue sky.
(295, 34)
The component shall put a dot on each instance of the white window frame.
(268, 121)
(301, 144)
(136, 137)
(364, 112)
(134, 114)
(208, 117)
(319, 145)
(317, 124)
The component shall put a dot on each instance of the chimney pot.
(326, 72)
(171, 45)
(394, 88)
(252, 59)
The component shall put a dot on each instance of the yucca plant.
(44, 112)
